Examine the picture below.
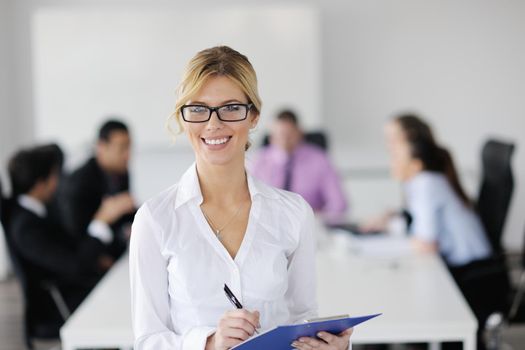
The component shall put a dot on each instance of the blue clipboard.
(281, 337)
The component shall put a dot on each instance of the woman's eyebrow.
(221, 104)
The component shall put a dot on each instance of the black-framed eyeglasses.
(231, 112)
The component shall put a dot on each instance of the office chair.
(518, 297)
(485, 285)
(34, 328)
(496, 189)
(3, 206)
(317, 138)
(499, 321)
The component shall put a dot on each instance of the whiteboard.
(91, 63)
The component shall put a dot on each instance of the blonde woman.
(219, 226)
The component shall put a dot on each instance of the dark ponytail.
(452, 176)
(434, 157)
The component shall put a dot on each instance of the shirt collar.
(33, 205)
(281, 155)
(189, 188)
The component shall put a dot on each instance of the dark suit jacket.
(81, 194)
(44, 252)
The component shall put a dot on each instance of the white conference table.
(415, 293)
(418, 298)
(103, 320)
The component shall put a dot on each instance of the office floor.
(11, 329)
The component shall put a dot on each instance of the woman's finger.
(340, 341)
(313, 342)
(251, 317)
(226, 343)
(235, 333)
(240, 323)
(302, 346)
(347, 331)
(327, 337)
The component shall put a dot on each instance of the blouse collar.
(188, 188)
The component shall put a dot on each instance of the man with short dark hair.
(46, 252)
(103, 179)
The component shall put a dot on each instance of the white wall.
(5, 79)
(91, 63)
(5, 36)
(16, 117)
(459, 63)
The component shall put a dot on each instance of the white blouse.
(178, 267)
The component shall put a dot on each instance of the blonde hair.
(216, 61)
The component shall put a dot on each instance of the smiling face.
(216, 142)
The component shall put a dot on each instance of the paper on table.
(381, 246)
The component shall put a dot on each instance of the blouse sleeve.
(332, 192)
(424, 207)
(301, 294)
(152, 324)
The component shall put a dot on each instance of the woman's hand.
(378, 223)
(326, 341)
(423, 247)
(234, 327)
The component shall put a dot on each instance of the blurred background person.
(104, 177)
(44, 250)
(441, 216)
(292, 164)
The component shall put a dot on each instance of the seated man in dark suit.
(45, 252)
(103, 177)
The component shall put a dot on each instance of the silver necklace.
(218, 231)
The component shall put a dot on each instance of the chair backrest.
(496, 189)
(2, 204)
(16, 262)
(317, 138)
(523, 253)
(5, 208)
(5, 211)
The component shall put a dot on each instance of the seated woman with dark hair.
(442, 217)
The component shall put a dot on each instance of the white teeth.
(216, 141)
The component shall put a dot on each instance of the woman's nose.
(214, 122)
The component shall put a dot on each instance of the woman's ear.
(416, 165)
(255, 120)
(183, 126)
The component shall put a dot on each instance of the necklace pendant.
(218, 234)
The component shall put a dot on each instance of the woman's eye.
(198, 109)
(231, 108)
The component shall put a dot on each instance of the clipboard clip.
(328, 318)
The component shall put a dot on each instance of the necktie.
(288, 167)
